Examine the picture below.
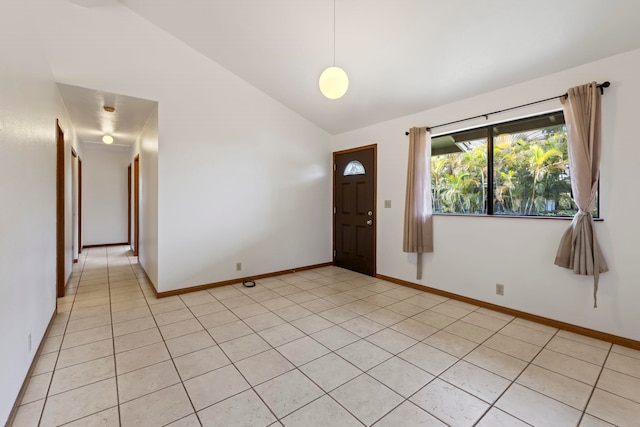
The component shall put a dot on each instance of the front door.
(354, 225)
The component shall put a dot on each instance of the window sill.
(556, 218)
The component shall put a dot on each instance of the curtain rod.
(601, 86)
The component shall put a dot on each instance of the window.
(521, 167)
(354, 167)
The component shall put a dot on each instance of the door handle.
(370, 222)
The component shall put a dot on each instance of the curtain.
(418, 221)
(579, 249)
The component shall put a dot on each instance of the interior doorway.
(60, 264)
(354, 219)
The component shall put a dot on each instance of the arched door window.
(354, 167)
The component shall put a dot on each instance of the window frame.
(490, 170)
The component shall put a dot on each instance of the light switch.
(387, 203)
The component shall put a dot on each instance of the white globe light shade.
(333, 82)
(107, 139)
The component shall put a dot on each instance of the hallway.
(324, 347)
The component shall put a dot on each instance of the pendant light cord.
(334, 33)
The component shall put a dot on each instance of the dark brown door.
(136, 205)
(354, 209)
(60, 264)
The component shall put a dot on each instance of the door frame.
(129, 204)
(60, 261)
(375, 201)
(76, 182)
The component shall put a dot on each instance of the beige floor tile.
(79, 402)
(217, 319)
(244, 409)
(452, 344)
(468, 331)
(45, 363)
(405, 308)
(263, 321)
(451, 310)
(496, 362)
(215, 386)
(361, 326)
(338, 315)
(385, 317)
(624, 364)
(302, 350)
(366, 398)
(576, 349)
(288, 392)
(281, 334)
(414, 329)
(537, 409)
(188, 421)
(513, 347)
(626, 351)
(174, 316)
(131, 326)
(177, 329)
(434, 319)
(476, 381)
(450, 404)
(200, 362)
(146, 380)
(263, 366)
(621, 384)
(485, 321)
(292, 312)
(247, 346)
(86, 336)
(391, 341)
(88, 323)
(582, 338)
(313, 323)
(130, 314)
(428, 358)
(250, 310)
(330, 371)
(79, 375)
(225, 292)
(591, 421)
(401, 293)
(141, 357)
(208, 308)
(408, 414)
(566, 390)
(189, 343)
(193, 299)
(497, 418)
(137, 339)
(165, 305)
(401, 376)
(238, 301)
(37, 388)
(361, 307)
(567, 365)
(84, 353)
(363, 354)
(529, 335)
(380, 300)
(337, 299)
(496, 314)
(277, 303)
(28, 415)
(156, 409)
(335, 337)
(230, 331)
(318, 305)
(264, 295)
(320, 413)
(107, 418)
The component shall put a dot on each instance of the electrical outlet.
(29, 343)
(238, 266)
(499, 289)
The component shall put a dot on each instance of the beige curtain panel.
(579, 249)
(418, 221)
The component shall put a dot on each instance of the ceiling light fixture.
(107, 139)
(109, 109)
(333, 81)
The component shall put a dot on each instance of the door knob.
(370, 222)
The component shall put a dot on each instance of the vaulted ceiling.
(402, 56)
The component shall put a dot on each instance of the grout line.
(595, 384)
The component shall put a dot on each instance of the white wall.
(472, 254)
(104, 194)
(29, 106)
(146, 147)
(241, 178)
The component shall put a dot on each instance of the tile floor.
(325, 347)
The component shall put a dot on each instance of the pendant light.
(333, 81)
